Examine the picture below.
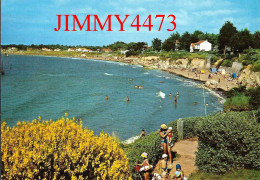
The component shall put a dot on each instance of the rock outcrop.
(249, 78)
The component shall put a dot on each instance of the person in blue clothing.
(163, 132)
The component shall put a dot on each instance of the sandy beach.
(222, 82)
(223, 85)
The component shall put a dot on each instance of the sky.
(33, 22)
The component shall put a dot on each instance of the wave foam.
(131, 140)
(160, 94)
(107, 74)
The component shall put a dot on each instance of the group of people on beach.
(166, 163)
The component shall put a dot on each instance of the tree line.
(228, 39)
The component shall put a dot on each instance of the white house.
(46, 49)
(71, 49)
(202, 45)
(57, 49)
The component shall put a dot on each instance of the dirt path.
(186, 156)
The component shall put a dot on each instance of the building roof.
(199, 42)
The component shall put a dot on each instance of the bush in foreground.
(228, 141)
(60, 150)
(240, 174)
(149, 144)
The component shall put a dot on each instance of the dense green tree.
(241, 40)
(136, 46)
(225, 34)
(157, 44)
(169, 44)
(185, 41)
(117, 45)
(212, 38)
(256, 40)
(196, 36)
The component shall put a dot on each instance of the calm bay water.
(51, 86)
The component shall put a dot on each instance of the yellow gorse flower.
(59, 150)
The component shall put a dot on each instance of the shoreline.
(225, 85)
(131, 139)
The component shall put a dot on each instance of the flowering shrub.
(60, 149)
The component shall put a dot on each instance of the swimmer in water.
(170, 95)
(177, 93)
(107, 97)
(207, 104)
(127, 99)
(175, 99)
(195, 103)
(137, 87)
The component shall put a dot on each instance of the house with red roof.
(202, 45)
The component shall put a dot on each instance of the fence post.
(180, 129)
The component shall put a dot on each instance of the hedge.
(228, 141)
(149, 144)
(189, 127)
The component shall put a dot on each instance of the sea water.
(51, 86)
